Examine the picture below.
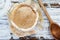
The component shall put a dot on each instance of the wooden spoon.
(54, 28)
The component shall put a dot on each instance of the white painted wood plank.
(4, 25)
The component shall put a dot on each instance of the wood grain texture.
(5, 30)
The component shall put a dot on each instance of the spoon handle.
(44, 9)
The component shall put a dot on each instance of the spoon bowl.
(55, 30)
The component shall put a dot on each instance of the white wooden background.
(4, 24)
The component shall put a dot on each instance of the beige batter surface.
(24, 17)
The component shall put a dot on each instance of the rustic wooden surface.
(4, 24)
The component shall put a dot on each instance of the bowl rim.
(22, 29)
